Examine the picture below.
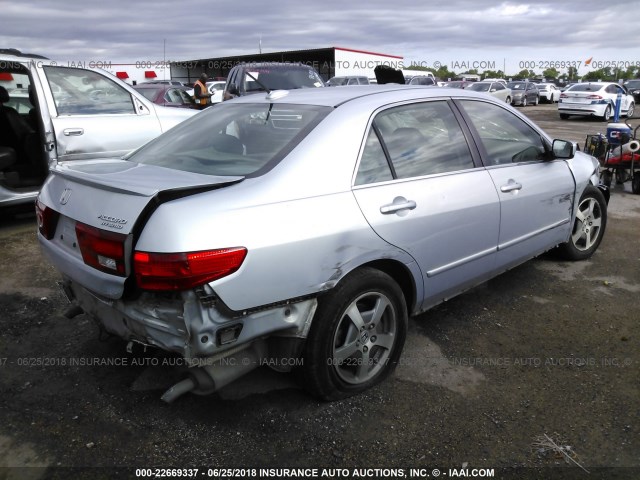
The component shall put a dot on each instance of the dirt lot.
(549, 348)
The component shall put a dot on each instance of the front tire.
(508, 100)
(524, 101)
(356, 337)
(537, 100)
(588, 226)
(631, 110)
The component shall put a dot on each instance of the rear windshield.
(586, 87)
(232, 139)
(149, 93)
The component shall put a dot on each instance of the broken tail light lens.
(182, 271)
(101, 249)
(47, 220)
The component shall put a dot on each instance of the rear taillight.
(594, 97)
(564, 95)
(47, 220)
(101, 249)
(182, 271)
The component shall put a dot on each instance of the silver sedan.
(300, 229)
(497, 89)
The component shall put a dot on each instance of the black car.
(633, 87)
(248, 78)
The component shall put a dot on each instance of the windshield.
(337, 81)
(516, 85)
(633, 84)
(281, 78)
(232, 139)
(479, 87)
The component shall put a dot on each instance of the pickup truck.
(52, 113)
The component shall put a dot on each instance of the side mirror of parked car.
(233, 89)
(564, 149)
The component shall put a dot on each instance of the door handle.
(511, 186)
(399, 203)
(73, 132)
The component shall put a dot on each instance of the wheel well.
(401, 275)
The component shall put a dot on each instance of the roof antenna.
(260, 44)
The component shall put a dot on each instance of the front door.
(535, 192)
(96, 117)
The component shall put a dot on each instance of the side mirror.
(564, 149)
(233, 89)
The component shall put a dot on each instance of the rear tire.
(564, 116)
(588, 226)
(356, 337)
(607, 114)
(635, 183)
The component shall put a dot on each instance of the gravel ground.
(548, 348)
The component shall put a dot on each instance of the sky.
(462, 34)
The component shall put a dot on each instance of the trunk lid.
(92, 212)
(113, 194)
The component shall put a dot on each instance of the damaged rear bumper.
(204, 333)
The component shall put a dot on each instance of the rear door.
(420, 190)
(94, 116)
(536, 193)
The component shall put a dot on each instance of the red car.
(166, 95)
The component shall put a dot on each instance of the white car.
(52, 113)
(595, 100)
(549, 92)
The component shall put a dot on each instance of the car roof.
(333, 97)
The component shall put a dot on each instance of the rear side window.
(374, 166)
(232, 139)
(85, 92)
(423, 139)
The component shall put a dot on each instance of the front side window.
(232, 139)
(420, 139)
(505, 137)
(85, 92)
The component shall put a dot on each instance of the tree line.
(606, 74)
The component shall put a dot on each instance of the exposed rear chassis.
(219, 345)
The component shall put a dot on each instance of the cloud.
(125, 31)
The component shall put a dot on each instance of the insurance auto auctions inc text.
(352, 473)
